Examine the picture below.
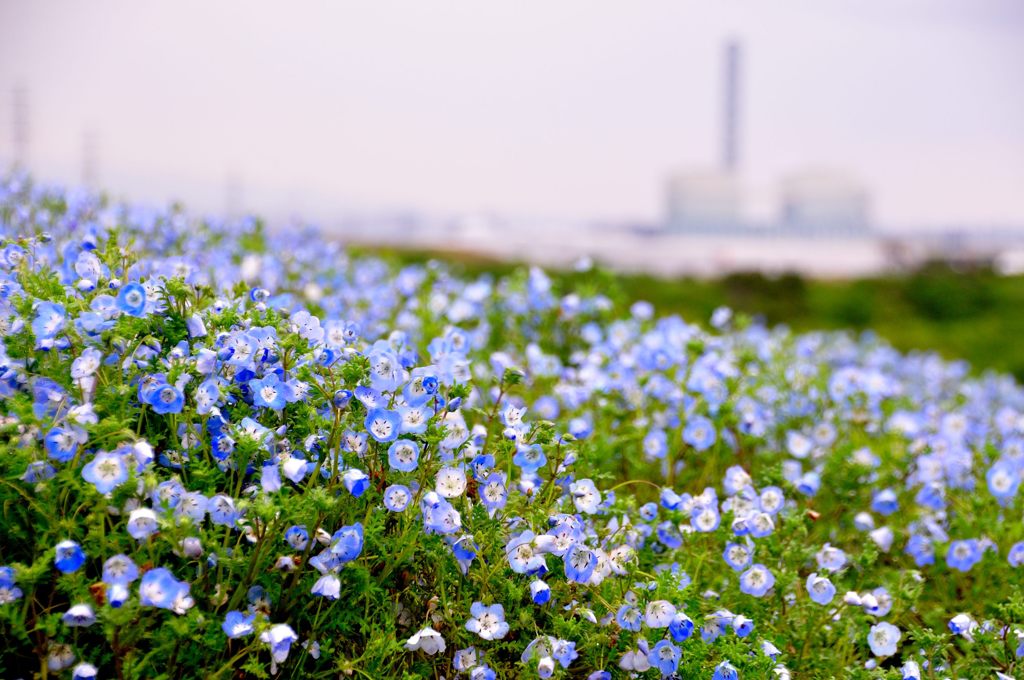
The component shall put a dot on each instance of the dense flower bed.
(230, 454)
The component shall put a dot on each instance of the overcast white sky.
(565, 108)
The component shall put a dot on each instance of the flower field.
(226, 453)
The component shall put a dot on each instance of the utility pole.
(20, 126)
(731, 107)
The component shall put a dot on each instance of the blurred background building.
(814, 202)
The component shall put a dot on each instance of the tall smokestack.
(730, 108)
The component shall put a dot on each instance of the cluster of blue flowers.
(311, 463)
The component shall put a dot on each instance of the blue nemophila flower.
(705, 519)
(681, 627)
(700, 433)
(438, 514)
(159, 588)
(9, 592)
(820, 589)
(725, 671)
(482, 673)
(270, 392)
(403, 455)
(307, 326)
(523, 558)
(295, 468)
(341, 399)
(540, 593)
(87, 363)
(585, 496)
(529, 457)
(222, 510)
(564, 532)
(397, 497)
(270, 477)
(480, 467)
(670, 500)
(164, 398)
(297, 537)
(426, 639)
(119, 570)
(655, 445)
(236, 624)
(911, 671)
(809, 483)
(279, 638)
(84, 671)
(38, 471)
(629, 617)
(757, 580)
(1016, 555)
(636, 659)
(669, 535)
(328, 585)
(383, 425)
(883, 639)
(659, 614)
(61, 444)
(649, 512)
(355, 442)
(665, 657)
(580, 562)
(963, 625)
(192, 505)
(415, 418)
(493, 492)
(770, 650)
(450, 482)
(80, 615)
(106, 471)
(921, 549)
(771, 500)
(1003, 480)
(878, 602)
(738, 555)
(962, 555)
(564, 652)
(347, 542)
(68, 557)
(370, 398)
(356, 481)
(59, 656)
(830, 558)
(466, 659)
(131, 299)
(487, 621)
(385, 368)
(117, 594)
(420, 389)
(142, 523)
(885, 502)
(49, 320)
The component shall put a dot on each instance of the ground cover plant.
(958, 311)
(229, 454)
